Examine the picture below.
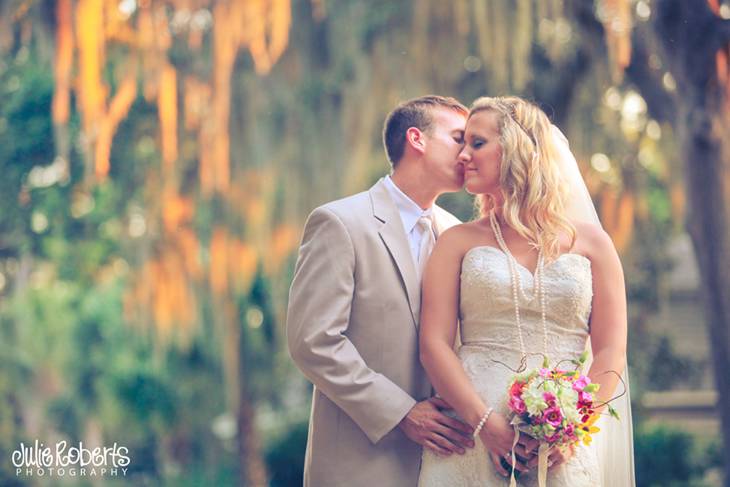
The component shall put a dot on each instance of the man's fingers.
(436, 448)
(440, 403)
(458, 440)
(455, 424)
(445, 443)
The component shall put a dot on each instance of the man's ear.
(416, 139)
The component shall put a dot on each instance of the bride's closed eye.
(477, 143)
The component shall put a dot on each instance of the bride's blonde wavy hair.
(534, 191)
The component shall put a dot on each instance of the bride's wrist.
(482, 422)
(495, 421)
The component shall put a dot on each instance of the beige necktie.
(428, 240)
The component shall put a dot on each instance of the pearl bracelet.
(482, 421)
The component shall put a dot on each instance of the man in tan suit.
(352, 323)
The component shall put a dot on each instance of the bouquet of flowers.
(555, 406)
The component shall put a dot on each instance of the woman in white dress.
(527, 278)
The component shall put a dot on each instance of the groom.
(352, 321)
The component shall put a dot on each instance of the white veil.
(615, 443)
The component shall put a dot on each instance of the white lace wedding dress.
(489, 336)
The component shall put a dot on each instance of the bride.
(532, 276)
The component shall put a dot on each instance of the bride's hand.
(498, 435)
(556, 456)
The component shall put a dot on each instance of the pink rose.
(517, 405)
(515, 389)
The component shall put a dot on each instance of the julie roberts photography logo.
(64, 460)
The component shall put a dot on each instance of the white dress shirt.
(409, 212)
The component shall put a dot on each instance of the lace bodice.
(487, 307)
(490, 348)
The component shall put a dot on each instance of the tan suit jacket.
(352, 328)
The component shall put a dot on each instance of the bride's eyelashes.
(476, 143)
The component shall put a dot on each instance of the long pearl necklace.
(517, 288)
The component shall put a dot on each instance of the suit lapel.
(396, 241)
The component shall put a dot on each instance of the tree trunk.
(707, 175)
(693, 45)
(251, 466)
(253, 471)
(691, 36)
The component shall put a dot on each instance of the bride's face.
(482, 153)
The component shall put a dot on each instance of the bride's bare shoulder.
(460, 238)
(466, 230)
(592, 240)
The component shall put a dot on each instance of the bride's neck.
(497, 209)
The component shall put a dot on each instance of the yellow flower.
(589, 429)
